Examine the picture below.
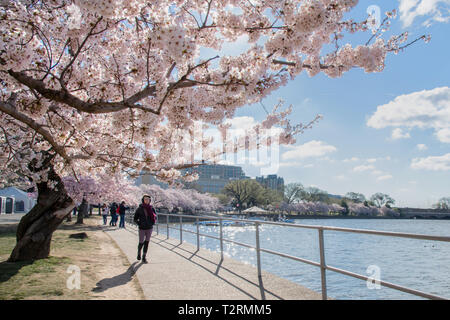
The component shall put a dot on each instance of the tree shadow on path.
(219, 266)
(118, 280)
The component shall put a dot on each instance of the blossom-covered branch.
(114, 87)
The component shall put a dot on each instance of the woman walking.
(145, 218)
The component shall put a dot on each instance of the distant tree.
(443, 203)
(355, 197)
(193, 185)
(223, 198)
(345, 206)
(272, 197)
(293, 192)
(307, 207)
(247, 192)
(314, 194)
(382, 199)
(258, 195)
(369, 203)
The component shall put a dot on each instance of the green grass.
(25, 279)
(43, 278)
(7, 242)
(46, 279)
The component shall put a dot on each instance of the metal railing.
(321, 264)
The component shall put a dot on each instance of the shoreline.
(319, 216)
(371, 218)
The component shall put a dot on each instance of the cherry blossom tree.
(106, 189)
(358, 209)
(95, 88)
(160, 198)
(185, 199)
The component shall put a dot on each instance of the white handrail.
(323, 266)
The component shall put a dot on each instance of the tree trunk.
(35, 230)
(82, 211)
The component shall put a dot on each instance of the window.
(9, 205)
(19, 206)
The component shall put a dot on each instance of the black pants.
(143, 245)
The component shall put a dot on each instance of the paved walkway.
(179, 272)
(11, 218)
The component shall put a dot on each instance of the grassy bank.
(100, 262)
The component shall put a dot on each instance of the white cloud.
(290, 164)
(341, 177)
(353, 159)
(308, 150)
(328, 159)
(372, 160)
(242, 123)
(363, 168)
(385, 177)
(379, 174)
(421, 147)
(423, 109)
(433, 10)
(434, 163)
(307, 101)
(398, 134)
(444, 135)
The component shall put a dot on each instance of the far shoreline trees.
(242, 194)
(248, 193)
(443, 203)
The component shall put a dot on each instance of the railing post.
(258, 251)
(198, 235)
(322, 265)
(157, 224)
(167, 221)
(221, 239)
(181, 230)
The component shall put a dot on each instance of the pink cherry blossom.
(112, 87)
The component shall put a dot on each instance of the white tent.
(254, 210)
(22, 201)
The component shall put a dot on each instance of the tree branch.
(72, 101)
(10, 109)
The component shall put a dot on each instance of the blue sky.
(383, 132)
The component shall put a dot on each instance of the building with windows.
(212, 178)
(14, 200)
(146, 178)
(272, 181)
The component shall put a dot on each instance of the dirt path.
(103, 269)
(116, 279)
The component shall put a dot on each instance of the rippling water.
(423, 265)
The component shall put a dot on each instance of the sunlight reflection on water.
(418, 264)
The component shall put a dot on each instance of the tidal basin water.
(423, 265)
